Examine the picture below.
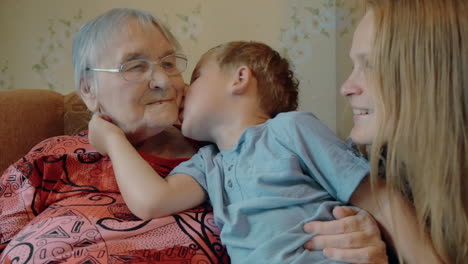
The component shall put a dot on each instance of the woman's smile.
(361, 112)
(161, 101)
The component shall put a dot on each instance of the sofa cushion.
(76, 116)
(27, 116)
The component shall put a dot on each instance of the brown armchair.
(28, 116)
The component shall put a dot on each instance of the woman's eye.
(367, 64)
(136, 67)
(167, 65)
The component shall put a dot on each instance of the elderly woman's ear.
(88, 96)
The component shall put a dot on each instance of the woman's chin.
(361, 137)
(142, 133)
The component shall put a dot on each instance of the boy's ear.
(242, 79)
(88, 96)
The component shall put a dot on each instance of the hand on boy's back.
(102, 131)
(354, 237)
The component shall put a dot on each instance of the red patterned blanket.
(61, 204)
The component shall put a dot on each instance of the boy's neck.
(228, 134)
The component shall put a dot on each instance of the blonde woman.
(409, 93)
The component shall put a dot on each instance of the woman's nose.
(159, 79)
(351, 87)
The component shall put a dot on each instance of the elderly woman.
(409, 93)
(61, 203)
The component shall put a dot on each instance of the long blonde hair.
(420, 59)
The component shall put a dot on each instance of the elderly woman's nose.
(159, 80)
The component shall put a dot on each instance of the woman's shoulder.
(65, 144)
(54, 148)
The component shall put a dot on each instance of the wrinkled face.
(141, 109)
(356, 88)
(204, 100)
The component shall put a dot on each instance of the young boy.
(270, 170)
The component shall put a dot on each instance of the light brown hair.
(420, 58)
(277, 86)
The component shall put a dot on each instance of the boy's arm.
(147, 194)
(398, 220)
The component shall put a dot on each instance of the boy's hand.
(102, 131)
(354, 237)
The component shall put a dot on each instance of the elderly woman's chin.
(151, 124)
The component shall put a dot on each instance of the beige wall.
(314, 34)
(344, 118)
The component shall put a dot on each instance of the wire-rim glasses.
(139, 70)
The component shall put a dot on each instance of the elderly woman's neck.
(168, 144)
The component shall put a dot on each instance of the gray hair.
(93, 36)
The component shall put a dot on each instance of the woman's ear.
(242, 79)
(88, 96)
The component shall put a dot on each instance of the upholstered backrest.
(28, 116)
(76, 115)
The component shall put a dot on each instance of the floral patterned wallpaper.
(310, 22)
(6, 78)
(51, 48)
(314, 34)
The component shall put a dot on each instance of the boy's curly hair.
(277, 86)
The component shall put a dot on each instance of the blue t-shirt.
(281, 174)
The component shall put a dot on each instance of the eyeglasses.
(142, 69)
